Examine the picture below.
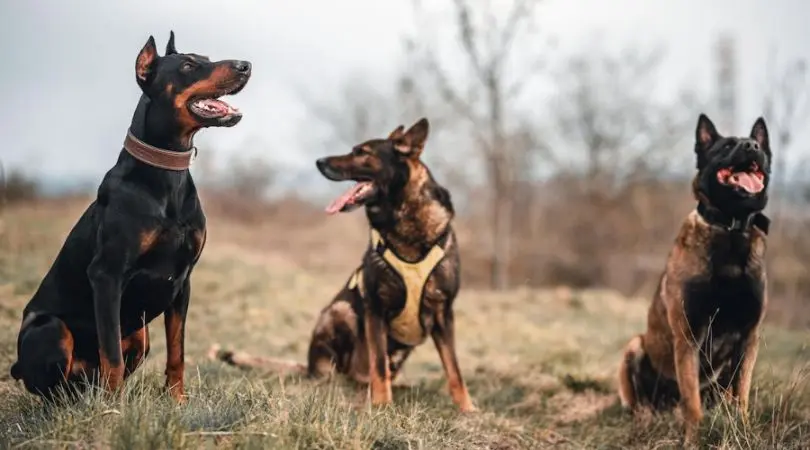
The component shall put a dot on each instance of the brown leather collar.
(156, 157)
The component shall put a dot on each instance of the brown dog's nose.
(242, 66)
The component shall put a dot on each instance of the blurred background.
(564, 129)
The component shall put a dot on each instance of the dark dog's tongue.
(748, 181)
(346, 199)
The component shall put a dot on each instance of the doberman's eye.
(187, 67)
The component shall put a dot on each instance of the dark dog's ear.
(413, 141)
(397, 133)
(146, 64)
(170, 49)
(705, 134)
(759, 133)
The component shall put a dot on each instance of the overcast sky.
(68, 88)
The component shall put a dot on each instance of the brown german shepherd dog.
(703, 325)
(405, 286)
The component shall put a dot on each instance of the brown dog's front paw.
(381, 395)
(381, 400)
(176, 392)
(468, 408)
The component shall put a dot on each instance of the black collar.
(716, 217)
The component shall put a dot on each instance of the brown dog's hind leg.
(335, 340)
(633, 352)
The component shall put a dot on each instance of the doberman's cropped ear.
(170, 49)
(759, 133)
(413, 141)
(397, 133)
(146, 64)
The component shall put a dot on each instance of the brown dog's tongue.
(346, 198)
(747, 181)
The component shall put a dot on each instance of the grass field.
(540, 365)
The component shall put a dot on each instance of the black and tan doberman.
(130, 256)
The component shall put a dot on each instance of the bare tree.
(786, 106)
(618, 142)
(484, 101)
(611, 122)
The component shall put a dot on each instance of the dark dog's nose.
(321, 163)
(242, 66)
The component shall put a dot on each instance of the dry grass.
(540, 364)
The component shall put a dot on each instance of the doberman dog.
(703, 327)
(130, 256)
(405, 287)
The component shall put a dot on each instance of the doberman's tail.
(246, 361)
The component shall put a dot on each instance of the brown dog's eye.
(357, 151)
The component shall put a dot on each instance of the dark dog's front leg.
(105, 273)
(175, 324)
(380, 371)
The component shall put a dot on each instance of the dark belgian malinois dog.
(404, 288)
(130, 256)
(703, 325)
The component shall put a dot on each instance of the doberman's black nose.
(321, 163)
(242, 66)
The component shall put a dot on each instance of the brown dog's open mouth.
(751, 180)
(352, 198)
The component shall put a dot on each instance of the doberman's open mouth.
(212, 108)
(352, 198)
(750, 180)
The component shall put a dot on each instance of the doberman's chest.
(162, 269)
(169, 250)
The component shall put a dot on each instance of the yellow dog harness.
(406, 327)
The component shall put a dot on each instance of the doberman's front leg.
(443, 334)
(379, 369)
(175, 324)
(105, 272)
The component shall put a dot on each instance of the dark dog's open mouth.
(750, 180)
(213, 108)
(353, 198)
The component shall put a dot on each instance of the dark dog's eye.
(357, 151)
(187, 67)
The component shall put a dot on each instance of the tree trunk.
(501, 225)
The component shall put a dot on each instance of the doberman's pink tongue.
(751, 183)
(345, 199)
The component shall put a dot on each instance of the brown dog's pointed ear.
(146, 63)
(397, 133)
(705, 134)
(170, 49)
(759, 133)
(413, 141)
